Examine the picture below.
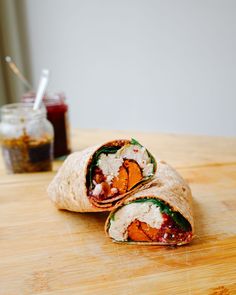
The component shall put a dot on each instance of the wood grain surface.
(46, 251)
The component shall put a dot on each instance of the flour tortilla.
(167, 186)
(68, 189)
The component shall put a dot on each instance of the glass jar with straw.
(26, 135)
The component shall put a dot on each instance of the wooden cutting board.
(46, 251)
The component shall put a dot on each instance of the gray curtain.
(12, 41)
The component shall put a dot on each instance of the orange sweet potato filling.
(129, 175)
(134, 171)
(121, 181)
(136, 233)
(151, 232)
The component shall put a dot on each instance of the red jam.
(57, 114)
(171, 232)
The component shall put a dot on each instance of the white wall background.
(168, 66)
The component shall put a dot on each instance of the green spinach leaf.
(135, 142)
(102, 150)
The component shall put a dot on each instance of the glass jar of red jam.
(26, 138)
(57, 114)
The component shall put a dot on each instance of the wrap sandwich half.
(158, 214)
(97, 177)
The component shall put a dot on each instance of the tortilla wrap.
(69, 188)
(167, 186)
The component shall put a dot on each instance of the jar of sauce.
(26, 138)
(57, 114)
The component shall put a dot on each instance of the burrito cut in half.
(97, 177)
(159, 214)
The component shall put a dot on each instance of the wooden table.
(46, 251)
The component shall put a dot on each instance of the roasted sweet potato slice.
(134, 171)
(135, 232)
(121, 181)
(149, 231)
